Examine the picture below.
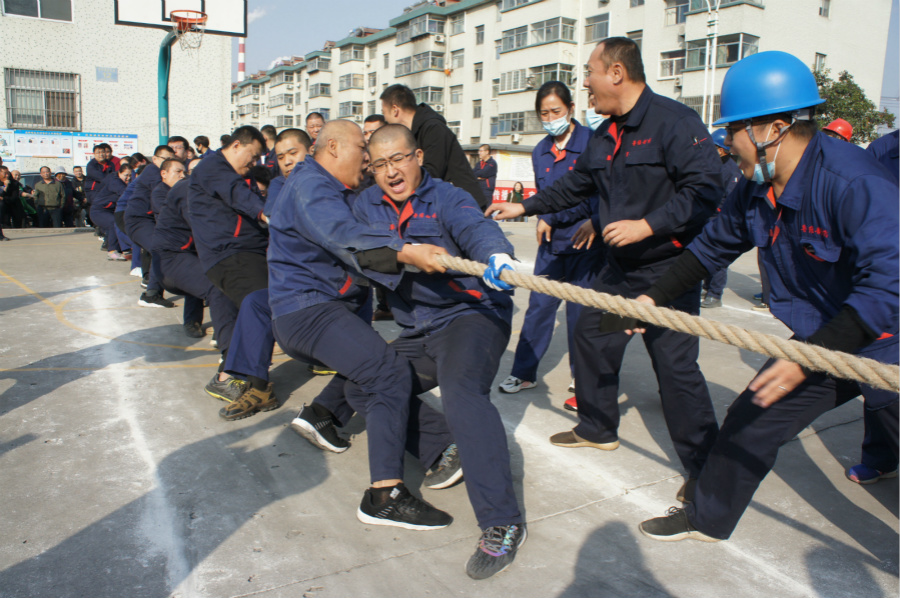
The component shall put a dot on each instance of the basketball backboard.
(226, 17)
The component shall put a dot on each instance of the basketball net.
(189, 26)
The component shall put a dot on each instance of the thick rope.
(833, 363)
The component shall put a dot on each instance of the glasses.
(396, 160)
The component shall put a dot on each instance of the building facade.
(68, 68)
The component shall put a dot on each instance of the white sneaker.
(513, 385)
(572, 386)
(137, 272)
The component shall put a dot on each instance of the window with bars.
(552, 72)
(596, 28)
(349, 53)
(429, 95)
(511, 122)
(696, 102)
(514, 38)
(319, 64)
(54, 10)
(403, 66)
(428, 60)
(250, 90)
(553, 30)
(282, 77)
(514, 80)
(731, 48)
(319, 89)
(348, 109)
(281, 100)
(42, 99)
(351, 81)
(284, 121)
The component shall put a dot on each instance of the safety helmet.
(767, 83)
(840, 127)
(718, 137)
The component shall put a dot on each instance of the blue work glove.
(498, 263)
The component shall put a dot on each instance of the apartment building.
(479, 62)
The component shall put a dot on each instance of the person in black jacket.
(444, 157)
(485, 172)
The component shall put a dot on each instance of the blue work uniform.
(558, 259)
(104, 206)
(830, 240)
(886, 149)
(119, 215)
(315, 289)
(659, 164)
(486, 173)
(140, 222)
(454, 329)
(270, 161)
(95, 173)
(714, 285)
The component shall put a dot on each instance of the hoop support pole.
(165, 64)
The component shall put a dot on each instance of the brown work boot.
(250, 402)
(572, 440)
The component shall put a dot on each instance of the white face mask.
(557, 127)
(594, 120)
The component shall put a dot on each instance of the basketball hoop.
(189, 26)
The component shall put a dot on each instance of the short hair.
(99, 146)
(225, 139)
(553, 88)
(182, 140)
(269, 131)
(300, 135)
(78, 167)
(169, 163)
(138, 157)
(315, 115)
(246, 135)
(375, 118)
(261, 174)
(105, 146)
(41, 169)
(399, 95)
(201, 140)
(126, 166)
(626, 52)
(162, 148)
(485, 145)
(391, 132)
(804, 129)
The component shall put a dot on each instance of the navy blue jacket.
(225, 209)
(440, 214)
(885, 149)
(95, 174)
(549, 166)
(108, 194)
(139, 204)
(270, 161)
(122, 204)
(158, 199)
(487, 170)
(275, 187)
(731, 176)
(661, 165)
(313, 238)
(830, 240)
(173, 225)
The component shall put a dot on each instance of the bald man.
(316, 249)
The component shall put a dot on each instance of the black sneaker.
(687, 491)
(446, 472)
(145, 280)
(402, 510)
(229, 390)
(154, 300)
(496, 550)
(673, 527)
(194, 330)
(316, 424)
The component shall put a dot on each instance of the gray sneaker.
(229, 390)
(709, 301)
(446, 472)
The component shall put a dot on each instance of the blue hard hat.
(767, 83)
(718, 138)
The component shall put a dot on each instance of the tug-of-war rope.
(833, 363)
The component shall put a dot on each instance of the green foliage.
(845, 99)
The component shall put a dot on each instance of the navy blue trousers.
(182, 273)
(106, 222)
(540, 318)
(332, 334)
(125, 241)
(748, 444)
(714, 285)
(600, 347)
(140, 230)
(250, 350)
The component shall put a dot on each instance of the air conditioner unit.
(289, 107)
(529, 83)
(368, 63)
(290, 86)
(439, 39)
(516, 138)
(438, 107)
(373, 90)
(357, 118)
(678, 81)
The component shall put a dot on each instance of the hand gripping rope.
(833, 363)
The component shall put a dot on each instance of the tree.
(845, 99)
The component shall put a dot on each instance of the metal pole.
(165, 62)
(706, 66)
(715, 45)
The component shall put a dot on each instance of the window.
(249, 109)
(325, 112)
(280, 78)
(428, 60)
(387, 61)
(403, 34)
(284, 121)
(552, 72)
(250, 90)
(319, 63)
(495, 88)
(509, 4)
(456, 94)
(457, 59)
(57, 10)
(373, 79)
(495, 126)
(553, 30)
(731, 48)
(633, 3)
(824, 8)
(671, 64)
(297, 97)
(421, 25)
(515, 38)
(676, 12)
(348, 109)
(352, 81)
(458, 23)
(637, 37)
(819, 64)
(479, 71)
(429, 95)
(511, 122)
(696, 102)
(371, 108)
(597, 28)
(319, 89)
(476, 109)
(512, 81)
(403, 66)
(701, 4)
(454, 127)
(43, 99)
(352, 52)
(479, 35)
(373, 50)
(281, 100)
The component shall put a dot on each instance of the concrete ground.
(118, 478)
